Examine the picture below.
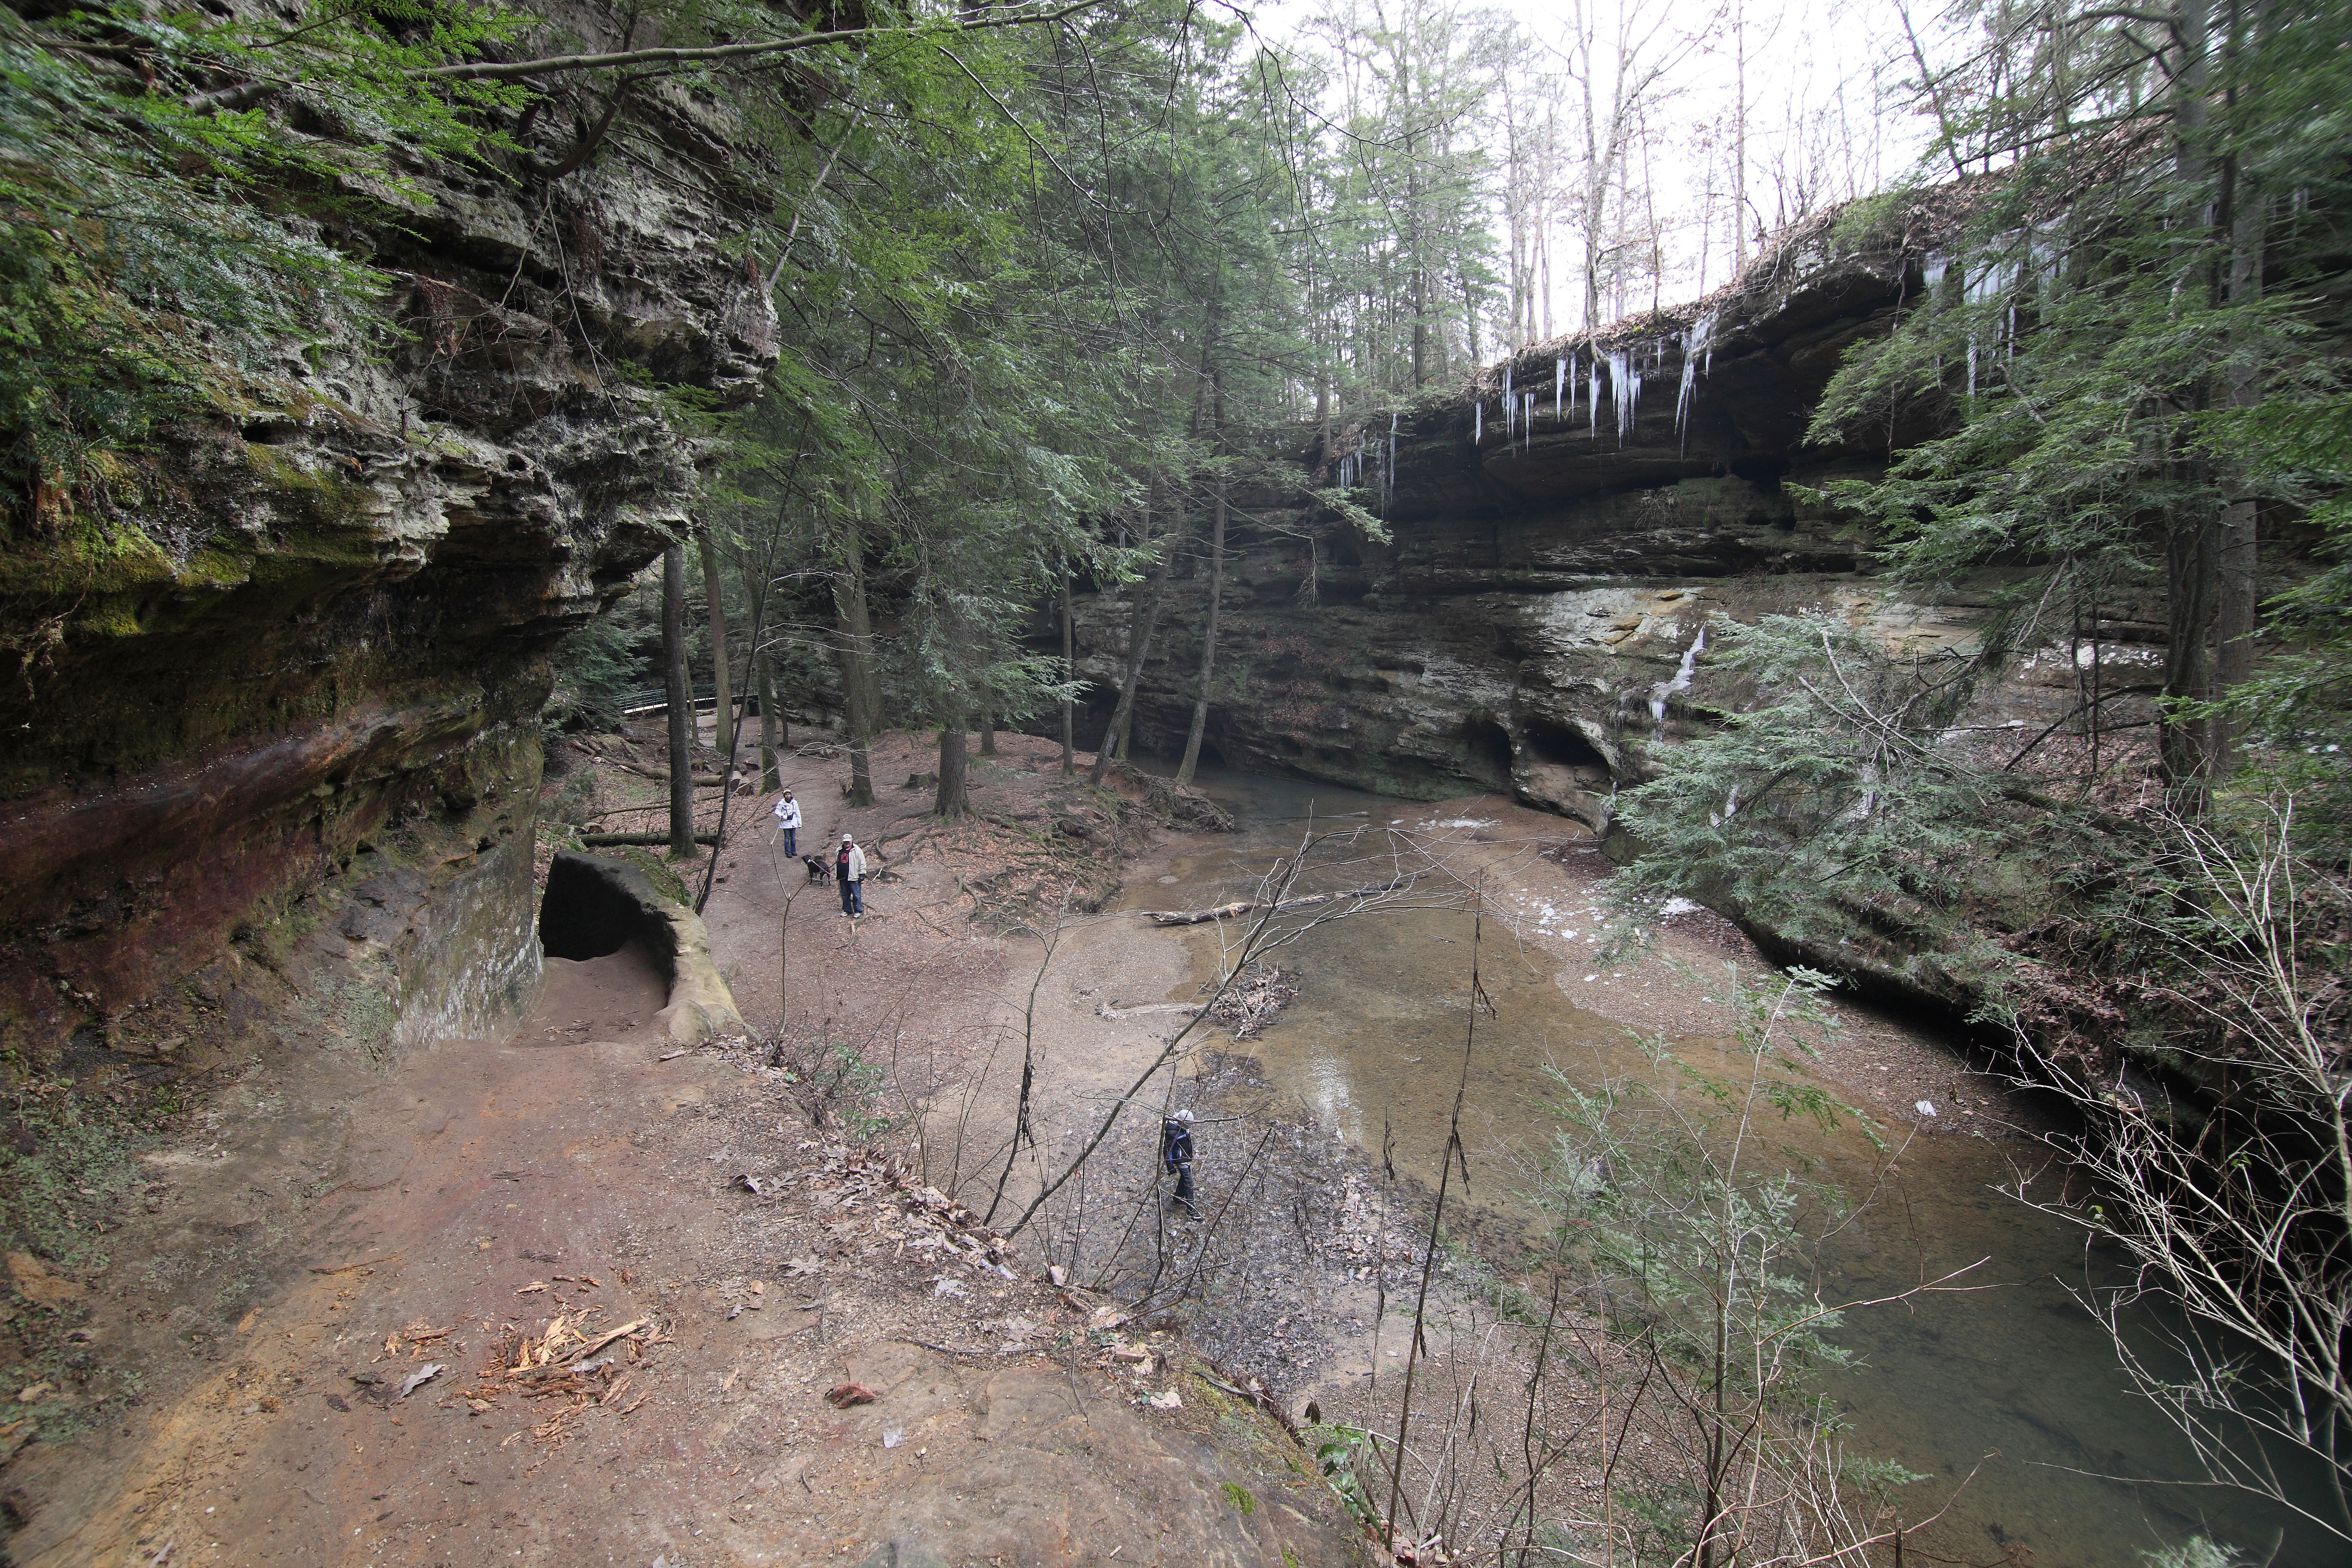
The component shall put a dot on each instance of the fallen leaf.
(38, 1284)
(849, 1393)
(416, 1380)
(1170, 1400)
(532, 1288)
(32, 1391)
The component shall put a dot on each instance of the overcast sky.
(1820, 83)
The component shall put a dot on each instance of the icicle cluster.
(1377, 457)
(1625, 387)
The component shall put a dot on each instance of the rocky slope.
(273, 772)
(1527, 628)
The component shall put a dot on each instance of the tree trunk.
(1140, 625)
(1216, 604)
(771, 724)
(953, 800)
(1069, 649)
(2191, 549)
(856, 645)
(714, 590)
(680, 698)
(2238, 611)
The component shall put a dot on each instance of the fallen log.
(1114, 1012)
(610, 840)
(1244, 906)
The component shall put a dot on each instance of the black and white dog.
(819, 869)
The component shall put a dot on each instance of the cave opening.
(1564, 745)
(1489, 747)
(583, 914)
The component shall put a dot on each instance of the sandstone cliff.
(272, 763)
(1527, 628)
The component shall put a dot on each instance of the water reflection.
(2015, 1382)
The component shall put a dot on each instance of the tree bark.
(952, 800)
(856, 647)
(1217, 511)
(2191, 549)
(2238, 609)
(714, 592)
(679, 697)
(771, 724)
(1069, 640)
(1140, 625)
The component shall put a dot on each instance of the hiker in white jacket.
(788, 821)
(849, 871)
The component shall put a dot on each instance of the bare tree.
(2239, 1211)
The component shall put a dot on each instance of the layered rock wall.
(275, 757)
(1529, 626)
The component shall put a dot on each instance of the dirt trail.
(338, 1228)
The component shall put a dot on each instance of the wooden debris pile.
(571, 1360)
(867, 1198)
(1255, 997)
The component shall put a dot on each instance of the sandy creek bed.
(2012, 1380)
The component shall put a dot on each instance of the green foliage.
(597, 669)
(162, 250)
(1843, 793)
(1340, 1452)
(77, 1169)
(2121, 340)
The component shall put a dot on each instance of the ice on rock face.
(1558, 387)
(1593, 394)
(1624, 388)
(1681, 683)
(1698, 346)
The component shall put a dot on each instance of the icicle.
(1527, 423)
(1593, 393)
(1932, 269)
(1972, 364)
(1625, 388)
(1696, 340)
(1389, 474)
(1478, 429)
(1558, 387)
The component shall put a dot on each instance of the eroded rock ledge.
(279, 755)
(1528, 629)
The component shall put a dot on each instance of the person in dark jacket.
(1176, 1156)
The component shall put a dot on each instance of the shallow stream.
(2014, 1381)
